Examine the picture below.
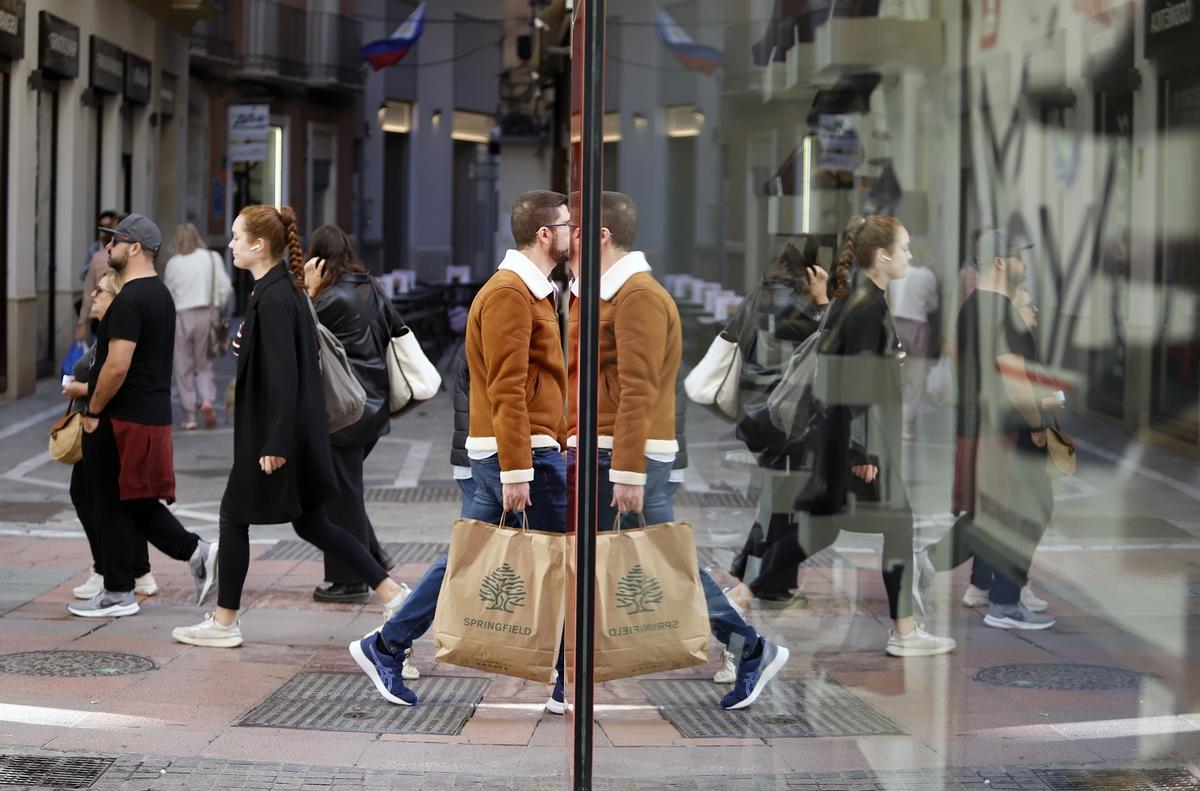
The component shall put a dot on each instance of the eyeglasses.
(562, 225)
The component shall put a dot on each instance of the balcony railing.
(213, 39)
(274, 40)
(334, 44)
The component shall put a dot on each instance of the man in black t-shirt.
(1000, 479)
(127, 450)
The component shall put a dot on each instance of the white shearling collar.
(538, 284)
(611, 281)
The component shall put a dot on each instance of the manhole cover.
(402, 552)
(439, 492)
(51, 771)
(1059, 675)
(349, 702)
(74, 663)
(1117, 779)
(790, 707)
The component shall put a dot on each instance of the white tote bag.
(411, 376)
(714, 380)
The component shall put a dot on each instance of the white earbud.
(256, 248)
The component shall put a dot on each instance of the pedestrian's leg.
(346, 509)
(957, 545)
(206, 388)
(739, 637)
(548, 492)
(897, 566)
(185, 374)
(83, 509)
(233, 563)
(117, 531)
(416, 616)
(160, 527)
(316, 529)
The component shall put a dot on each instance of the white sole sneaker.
(94, 584)
(145, 585)
(976, 597)
(115, 611)
(999, 622)
(232, 641)
(766, 674)
(210, 573)
(554, 707)
(728, 672)
(368, 667)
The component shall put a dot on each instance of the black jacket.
(354, 310)
(280, 409)
(462, 414)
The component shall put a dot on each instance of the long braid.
(295, 253)
(840, 282)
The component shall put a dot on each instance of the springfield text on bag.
(642, 627)
(478, 623)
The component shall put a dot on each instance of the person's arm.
(277, 351)
(224, 287)
(112, 376)
(506, 324)
(1019, 388)
(642, 326)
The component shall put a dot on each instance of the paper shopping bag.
(500, 608)
(651, 613)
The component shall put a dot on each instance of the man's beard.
(117, 264)
(1014, 278)
(560, 255)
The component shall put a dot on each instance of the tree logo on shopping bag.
(637, 591)
(502, 589)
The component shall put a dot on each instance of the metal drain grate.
(51, 771)
(401, 551)
(789, 708)
(1173, 779)
(74, 663)
(433, 492)
(349, 702)
(688, 499)
(1059, 675)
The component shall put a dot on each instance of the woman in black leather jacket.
(350, 304)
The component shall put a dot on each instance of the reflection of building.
(91, 118)
(273, 112)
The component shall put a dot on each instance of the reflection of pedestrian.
(198, 283)
(1000, 476)
(127, 441)
(641, 344)
(351, 306)
(517, 391)
(281, 470)
(77, 389)
(912, 299)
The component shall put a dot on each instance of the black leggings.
(233, 553)
(81, 499)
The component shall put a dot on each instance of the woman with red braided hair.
(282, 469)
(858, 444)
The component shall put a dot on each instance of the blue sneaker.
(555, 704)
(384, 670)
(753, 675)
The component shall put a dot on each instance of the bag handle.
(641, 519)
(524, 520)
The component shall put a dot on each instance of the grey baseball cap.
(136, 228)
(999, 244)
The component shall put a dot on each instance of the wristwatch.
(89, 413)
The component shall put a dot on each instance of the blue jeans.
(467, 487)
(739, 637)
(547, 490)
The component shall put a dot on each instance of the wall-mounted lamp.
(436, 119)
(640, 122)
(395, 117)
(684, 120)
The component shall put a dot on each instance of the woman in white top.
(197, 280)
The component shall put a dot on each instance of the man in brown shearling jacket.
(641, 345)
(517, 389)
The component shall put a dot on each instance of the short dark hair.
(619, 214)
(108, 214)
(533, 211)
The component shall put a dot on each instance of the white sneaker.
(210, 634)
(94, 584)
(728, 672)
(392, 607)
(918, 642)
(409, 671)
(923, 573)
(145, 585)
(976, 597)
(1032, 602)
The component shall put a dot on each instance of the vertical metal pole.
(589, 372)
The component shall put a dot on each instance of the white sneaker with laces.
(728, 672)
(976, 597)
(410, 671)
(1032, 602)
(210, 634)
(145, 585)
(94, 584)
(918, 642)
(392, 607)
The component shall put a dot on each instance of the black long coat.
(280, 409)
(355, 310)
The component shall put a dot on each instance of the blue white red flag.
(391, 50)
(697, 57)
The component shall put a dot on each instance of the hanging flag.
(694, 56)
(391, 50)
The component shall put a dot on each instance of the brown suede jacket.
(641, 344)
(518, 375)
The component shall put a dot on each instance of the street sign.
(249, 130)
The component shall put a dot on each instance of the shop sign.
(107, 66)
(1171, 26)
(12, 29)
(58, 50)
(249, 129)
(137, 78)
